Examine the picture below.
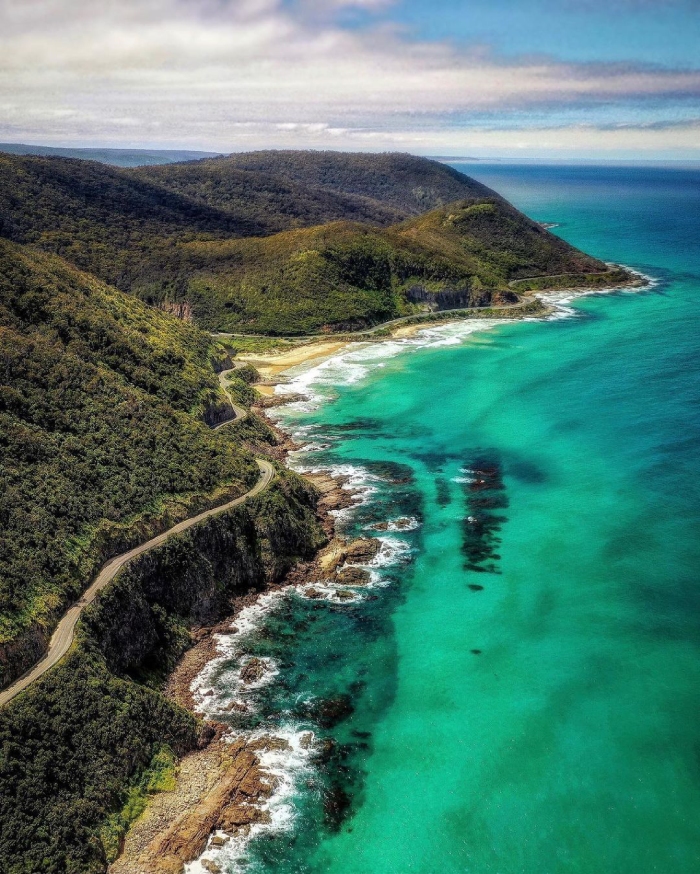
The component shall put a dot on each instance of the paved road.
(241, 412)
(302, 339)
(65, 630)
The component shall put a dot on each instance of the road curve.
(241, 412)
(65, 630)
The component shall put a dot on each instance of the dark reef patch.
(527, 471)
(443, 497)
(486, 496)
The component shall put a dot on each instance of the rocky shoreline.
(222, 786)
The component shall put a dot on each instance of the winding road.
(241, 412)
(64, 634)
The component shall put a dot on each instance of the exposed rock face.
(363, 551)
(270, 401)
(253, 671)
(199, 573)
(227, 802)
(182, 310)
(458, 298)
(353, 576)
(333, 495)
(218, 412)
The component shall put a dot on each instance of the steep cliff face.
(194, 577)
(72, 742)
(458, 298)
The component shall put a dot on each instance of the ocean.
(517, 691)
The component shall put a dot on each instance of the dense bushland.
(74, 747)
(280, 242)
(101, 436)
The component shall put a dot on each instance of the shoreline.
(178, 827)
(273, 366)
(223, 789)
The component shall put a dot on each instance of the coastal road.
(65, 630)
(241, 412)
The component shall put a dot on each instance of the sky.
(507, 79)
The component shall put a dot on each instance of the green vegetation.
(101, 408)
(345, 276)
(68, 747)
(282, 242)
(159, 776)
(81, 749)
(605, 279)
(105, 402)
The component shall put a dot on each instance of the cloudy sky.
(502, 78)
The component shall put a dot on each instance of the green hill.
(103, 439)
(282, 242)
(408, 183)
(301, 189)
(115, 157)
(344, 275)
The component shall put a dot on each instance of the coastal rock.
(269, 743)
(241, 815)
(363, 551)
(312, 593)
(353, 576)
(210, 866)
(344, 595)
(219, 841)
(253, 671)
(269, 401)
(188, 834)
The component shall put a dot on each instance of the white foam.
(560, 299)
(207, 685)
(404, 523)
(284, 769)
(317, 381)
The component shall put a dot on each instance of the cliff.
(74, 743)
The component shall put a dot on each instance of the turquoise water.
(522, 693)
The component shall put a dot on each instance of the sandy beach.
(270, 366)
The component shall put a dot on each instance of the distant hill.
(282, 242)
(116, 157)
(101, 408)
(404, 185)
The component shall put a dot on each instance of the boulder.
(253, 671)
(362, 551)
(353, 576)
(344, 595)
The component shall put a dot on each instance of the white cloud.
(219, 73)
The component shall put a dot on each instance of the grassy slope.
(346, 275)
(101, 432)
(200, 232)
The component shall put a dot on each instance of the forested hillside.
(252, 242)
(343, 275)
(102, 404)
(406, 183)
